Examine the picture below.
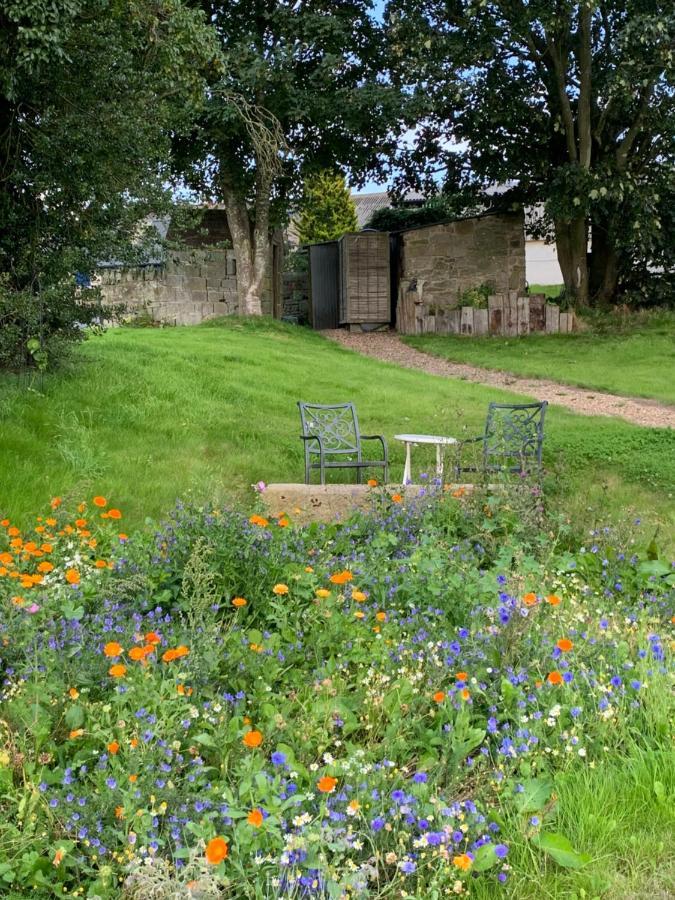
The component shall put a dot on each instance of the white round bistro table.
(410, 440)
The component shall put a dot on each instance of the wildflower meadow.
(406, 704)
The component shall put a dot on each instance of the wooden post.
(467, 320)
(523, 305)
(511, 315)
(480, 321)
(496, 314)
(454, 321)
(537, 313)
(552, 318)
(564, 323)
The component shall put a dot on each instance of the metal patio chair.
(512, 441)
(333, 440)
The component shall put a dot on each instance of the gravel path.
(387, 347)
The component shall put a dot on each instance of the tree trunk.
(250, 242)
(571, 242)
(603, 273)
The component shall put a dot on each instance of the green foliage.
(397, 672)
(570, 105)
(477, 296)
(88, 96)
(439, 208)
(327, 210)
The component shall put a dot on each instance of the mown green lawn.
(638, 362)
(149, 415)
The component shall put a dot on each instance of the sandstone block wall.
(295, 294)
(191, 287)
(439, 262)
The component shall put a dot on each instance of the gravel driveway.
(387, 347)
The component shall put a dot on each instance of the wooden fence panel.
(523, 307)
(467, 320)
(552, 318)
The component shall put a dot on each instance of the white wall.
(541, 263)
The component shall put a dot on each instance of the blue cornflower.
(398, 796)
(111, 783)
(501, 850)
(407, 866)
(420, 778)
(278, 758)
(377, 824)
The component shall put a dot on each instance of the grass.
(149, 415)
(549, 290)
(631, 855)
(637, 362)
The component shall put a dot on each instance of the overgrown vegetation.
(440, 696)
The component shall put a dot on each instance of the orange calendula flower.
(80, 522)
(465, 694)
(117, 671)
(133, 779)
(101, 564)
(359, 596)
(152, 638)
(554, 678)
(564, 645)
(100, 502)
(216, 850)
(114, 514)
(323, 593)
(259, 520)
(372, 482)
(439, 697)
(255, 818)
(113, 649)
(396, 498)
(113, 748)
(138, 653)
(462, 862)
(239, 602)
(283, 522)
(119, 812)
(72, 576)
(341, 577)
(280, 589)
(13, 531)
(55, 502)
(458, 493)
(529, 599)
(252, 739)
(76, 733)
(553, 600)
(461, 676)
(381, 616)
(73, 693)
(45, 567)
(58, 857)
(359, 615)
(326, 784)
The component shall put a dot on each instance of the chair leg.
(322, 469)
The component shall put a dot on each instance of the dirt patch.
(387, 346)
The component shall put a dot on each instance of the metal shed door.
(323, 279)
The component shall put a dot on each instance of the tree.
(90, 93)
(299, 91)
(327, 210)
(569, 103)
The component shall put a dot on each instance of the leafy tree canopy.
(90, 93)
(300, 90)
(570, 103)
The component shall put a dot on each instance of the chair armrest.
(375, 437)
(313, 437)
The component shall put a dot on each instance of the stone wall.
(191, 287)
(295, 293)
(439, 262)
